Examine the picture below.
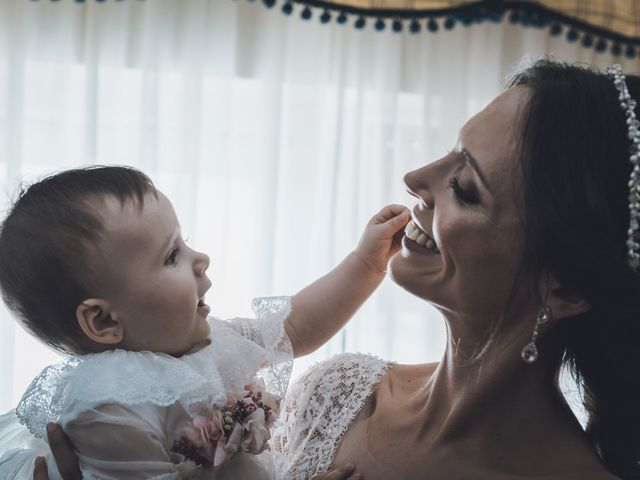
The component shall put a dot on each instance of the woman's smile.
(417, 240)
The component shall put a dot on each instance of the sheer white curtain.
(276, 138)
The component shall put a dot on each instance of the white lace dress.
(123, 410)
(320, 407)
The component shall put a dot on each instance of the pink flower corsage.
(213, 437)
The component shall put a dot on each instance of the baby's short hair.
(46, 243)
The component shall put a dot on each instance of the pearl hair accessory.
(529, 353)
(628, 104)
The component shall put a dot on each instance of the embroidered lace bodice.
(124, 410)
(319, 408)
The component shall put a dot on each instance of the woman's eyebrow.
(474, 164)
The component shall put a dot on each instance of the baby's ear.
(95, 319)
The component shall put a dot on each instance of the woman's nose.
(417, 185)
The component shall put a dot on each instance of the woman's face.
(474, 220)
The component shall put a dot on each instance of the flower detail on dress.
(216, 435)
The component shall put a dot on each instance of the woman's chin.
(402, 274)
(413, 280)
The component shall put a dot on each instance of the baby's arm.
(319, 310)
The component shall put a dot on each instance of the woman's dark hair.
(574, 153)
(46, 245)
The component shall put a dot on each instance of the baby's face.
(152, 281)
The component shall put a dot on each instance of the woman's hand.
(63, 454)
(382, 236)
(346, 472)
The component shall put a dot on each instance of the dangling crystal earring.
(530, 352)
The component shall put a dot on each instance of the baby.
(93, 263)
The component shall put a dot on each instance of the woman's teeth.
(414, 233)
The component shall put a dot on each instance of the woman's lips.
(415, 247)
(419, 237)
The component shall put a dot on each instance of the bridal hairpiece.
(530, 352)
(628, 104)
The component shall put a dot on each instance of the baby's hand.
(382, 236)
(346, 472)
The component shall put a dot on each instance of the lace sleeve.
(318, 410)
(267, 331)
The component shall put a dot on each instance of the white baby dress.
(124, 410)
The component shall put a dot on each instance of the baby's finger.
(400, 220)
(393, 209)
(389, 213)
(392, 216)
(397, 237)
(394, 224)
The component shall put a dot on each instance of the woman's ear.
(563, 301)
(98, 322)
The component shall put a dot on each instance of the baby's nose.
(202, 263)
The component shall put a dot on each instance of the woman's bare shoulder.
(408, 377)
(416, 371)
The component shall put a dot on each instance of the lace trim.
(275, 340)
(35, 410)
(72, 385)
(133, 378)
(320, 408)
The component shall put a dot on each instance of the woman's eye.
(459, 192)
(171, 259)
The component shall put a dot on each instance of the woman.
(525, 226)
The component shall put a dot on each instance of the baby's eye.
(171, 259)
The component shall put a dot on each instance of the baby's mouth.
(202, 307)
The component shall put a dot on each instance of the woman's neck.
(498, 413)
